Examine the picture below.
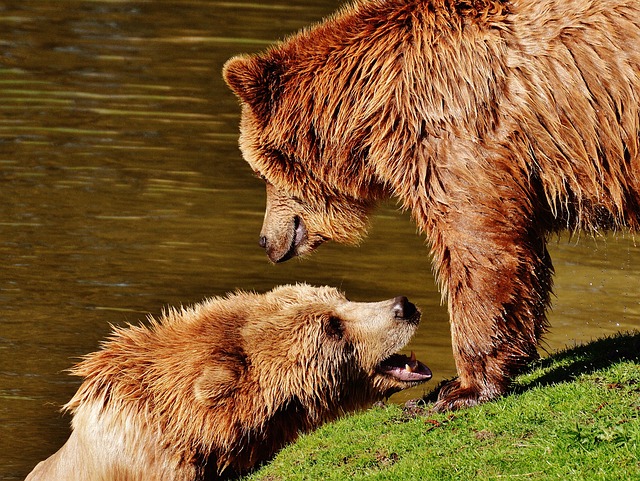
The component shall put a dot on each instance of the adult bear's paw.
(451, 396)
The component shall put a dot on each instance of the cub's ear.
(255, 80)
(217, 382)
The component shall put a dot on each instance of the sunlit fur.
(212, 390)
(494, 122)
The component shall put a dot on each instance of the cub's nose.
(263, 241)
(402, 308)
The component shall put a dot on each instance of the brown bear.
(210, 391)
(497, 123)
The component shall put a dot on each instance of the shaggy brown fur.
(494, 122)
(210, 391)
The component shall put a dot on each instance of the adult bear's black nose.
(402, 308)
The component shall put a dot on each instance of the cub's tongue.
(405, 368)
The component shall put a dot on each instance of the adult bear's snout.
(285, 245)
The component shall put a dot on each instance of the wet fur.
(496, 123)
(210, 391)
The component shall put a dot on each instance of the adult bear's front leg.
(494, 267)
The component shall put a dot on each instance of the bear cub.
(210, 391)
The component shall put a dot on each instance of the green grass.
(573, 416)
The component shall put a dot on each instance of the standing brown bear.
(210, 391)
(495, 122)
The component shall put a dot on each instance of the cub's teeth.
(408, 368)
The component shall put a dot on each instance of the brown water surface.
(123, 191)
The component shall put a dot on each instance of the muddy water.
(123, 191)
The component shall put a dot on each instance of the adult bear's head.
(311, 107)
(319, 186)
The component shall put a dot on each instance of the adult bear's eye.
(334, 327)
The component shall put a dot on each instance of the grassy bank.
(574, 415)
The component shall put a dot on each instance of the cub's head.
(278, 364)
(328, 355)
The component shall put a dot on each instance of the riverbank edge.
(573, 415)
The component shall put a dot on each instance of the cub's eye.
(334, 327)
(258, 175)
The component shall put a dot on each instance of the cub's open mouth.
(405, 368)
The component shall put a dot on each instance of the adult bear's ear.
(256, 81)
